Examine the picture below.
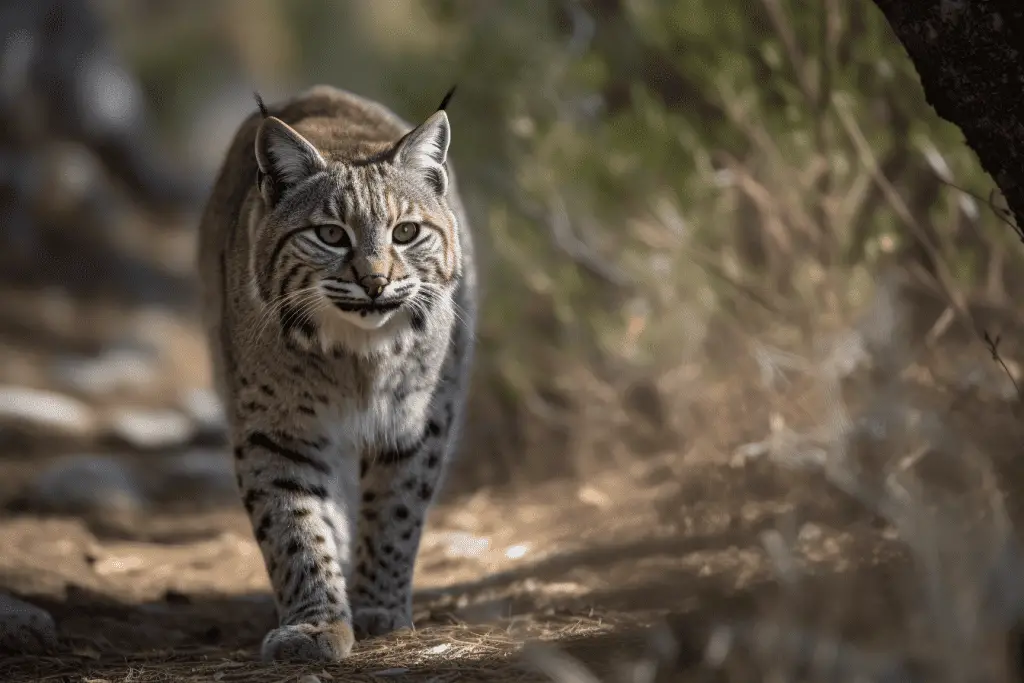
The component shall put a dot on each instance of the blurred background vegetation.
(653, 185)
(714, 236)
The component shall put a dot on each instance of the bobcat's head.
(347, 239)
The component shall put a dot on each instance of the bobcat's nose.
(373, 284)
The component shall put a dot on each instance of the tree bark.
(969, 55)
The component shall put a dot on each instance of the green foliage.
(786, 138)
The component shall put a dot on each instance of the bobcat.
(339, 298)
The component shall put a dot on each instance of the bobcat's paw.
(378, 621)
(25, 628)
(329, 642)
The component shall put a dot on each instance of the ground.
(182, 595)
(154, 578)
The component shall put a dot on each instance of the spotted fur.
(341, 349)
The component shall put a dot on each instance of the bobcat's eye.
(332, 236)
(405, 232)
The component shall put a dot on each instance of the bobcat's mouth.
(365, 308)
(368, 315)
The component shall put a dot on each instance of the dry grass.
(452, 653)
(770, 461)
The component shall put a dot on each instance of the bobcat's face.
(370, 243)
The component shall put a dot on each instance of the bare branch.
(580, 252)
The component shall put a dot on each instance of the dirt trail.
(178, 595)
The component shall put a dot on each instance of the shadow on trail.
(208, 635)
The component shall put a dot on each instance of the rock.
(86, 483)
(152, 429)
(205, 409)
(116, 369)
(203, 406)
(36, 409)
(204, 475)
(25, 628)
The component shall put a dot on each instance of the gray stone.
(205, 409)
(152, 429)
(86, 483)
(25, 628)
(116, 369)
(205, 475)
(47, 411)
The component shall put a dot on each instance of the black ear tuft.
(261, 104)
(447, 98)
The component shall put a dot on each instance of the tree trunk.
(969, 55)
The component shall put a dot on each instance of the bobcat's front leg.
(301, 508)
(398, 486)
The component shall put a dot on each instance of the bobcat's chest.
(388, 408)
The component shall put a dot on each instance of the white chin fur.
(370, 321)
(358, 333)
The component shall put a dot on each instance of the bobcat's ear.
(425, 149)
(284, 158)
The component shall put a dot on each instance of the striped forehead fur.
(330, 172)
(367, 197)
